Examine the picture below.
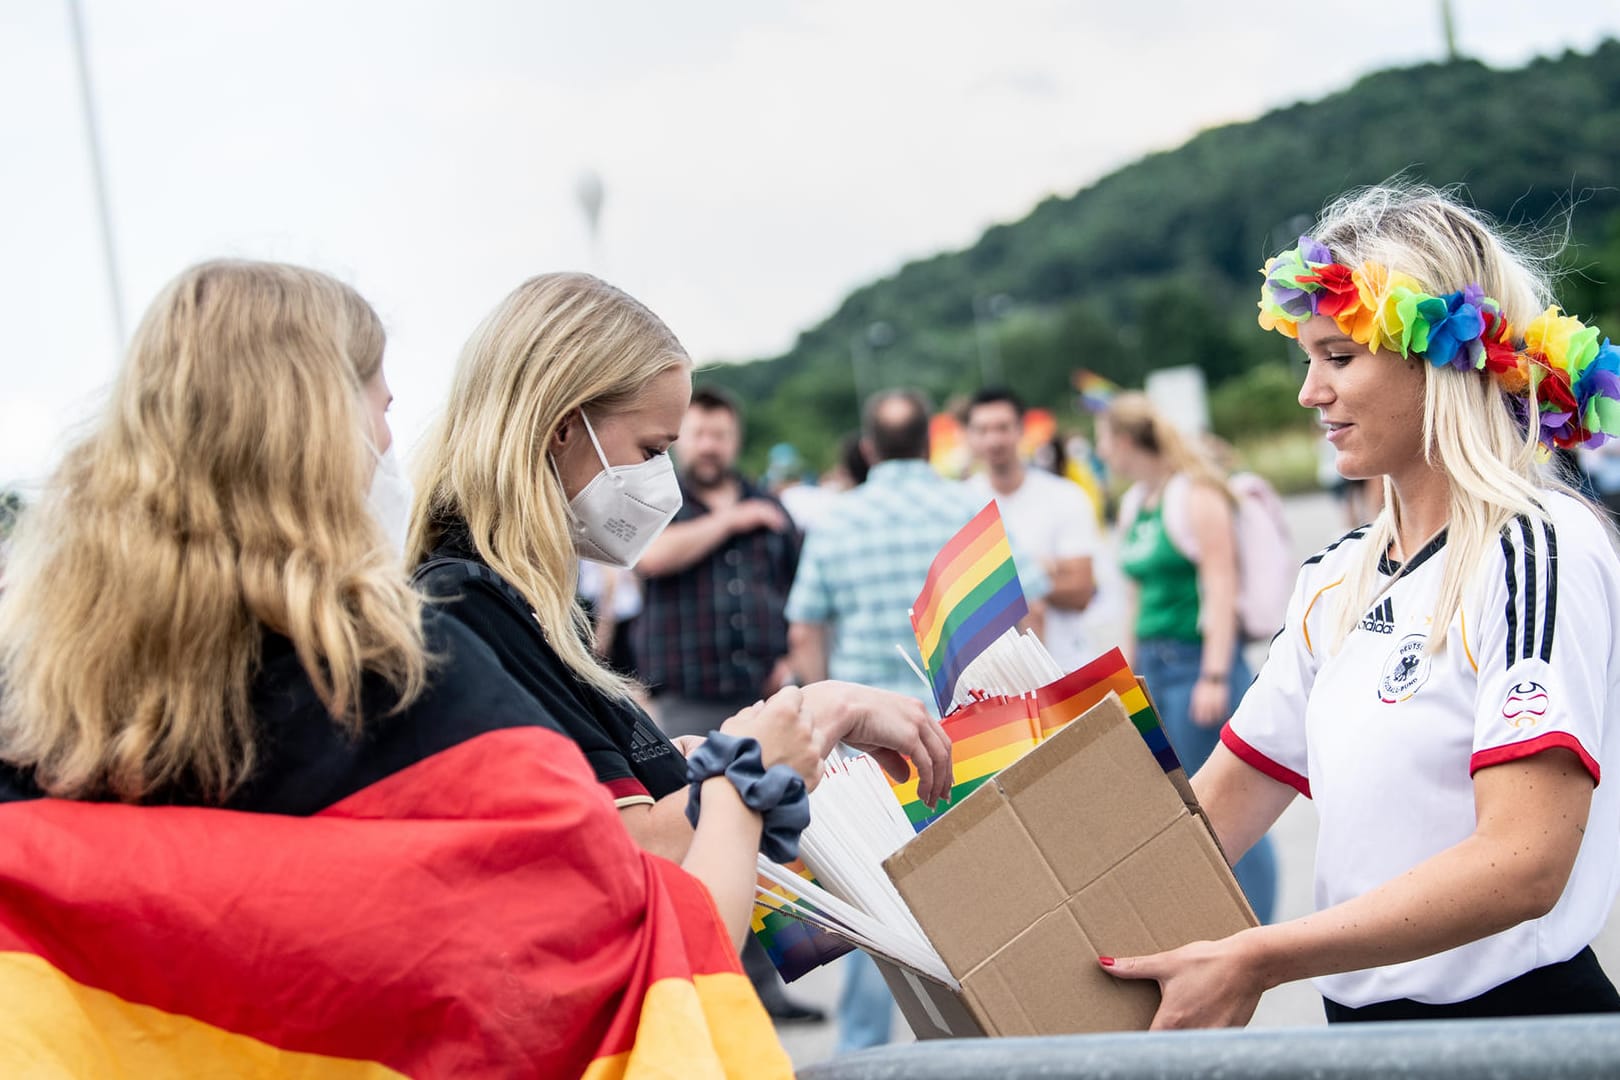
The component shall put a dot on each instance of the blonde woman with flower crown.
(1446, 688)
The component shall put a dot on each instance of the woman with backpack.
(1446, 688)
(1178, 550)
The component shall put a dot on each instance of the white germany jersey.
(1385, 738)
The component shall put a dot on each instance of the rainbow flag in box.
(988, 735)
(1059, 702)
(794, 946)
(970, 597)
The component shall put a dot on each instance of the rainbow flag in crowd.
(471, 911)
(1061, 701)
(1095, 391)
(970, 597)
(796, 947)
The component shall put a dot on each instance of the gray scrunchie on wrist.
(777, 794)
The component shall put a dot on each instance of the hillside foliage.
(1155, 264)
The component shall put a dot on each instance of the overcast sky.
(760, 160)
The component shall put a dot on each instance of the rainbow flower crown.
(1557, 359)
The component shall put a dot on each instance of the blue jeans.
(865, 1007)
(1171, 671)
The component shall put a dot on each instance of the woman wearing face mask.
(297, 822)
(554, 446)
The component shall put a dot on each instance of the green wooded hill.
(1155, 265)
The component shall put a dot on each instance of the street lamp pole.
(98, 180)
(590, 191)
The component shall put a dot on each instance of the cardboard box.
(1083, 847)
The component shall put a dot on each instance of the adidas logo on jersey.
(1381, 619)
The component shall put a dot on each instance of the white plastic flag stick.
(912, 664)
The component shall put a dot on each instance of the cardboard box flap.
(1046, 981)
(934, 1010)
(974, 879)
(1171, 891)
(1091, 795)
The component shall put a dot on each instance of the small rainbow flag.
(1095, 391)
(986, 737)
(794, 946)
(970, 597)
(1059, 702)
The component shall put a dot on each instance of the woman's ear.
(564, 434)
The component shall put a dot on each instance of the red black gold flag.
(479, 912)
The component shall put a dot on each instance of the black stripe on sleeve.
(1547, 621)
(1512, 596)
(1354, 534)
(1529, 587)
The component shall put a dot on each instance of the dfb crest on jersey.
(1406, 670)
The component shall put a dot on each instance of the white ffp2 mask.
(618, 515)
(389, 499)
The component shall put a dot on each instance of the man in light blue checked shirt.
(859, 574)
(865, 562)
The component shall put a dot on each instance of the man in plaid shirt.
(712, 637)
(863, 565)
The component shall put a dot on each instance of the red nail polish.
(1106, 961)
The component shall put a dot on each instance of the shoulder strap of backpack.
(1178, 516)
(456, 570)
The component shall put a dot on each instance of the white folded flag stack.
(855, 823)
(1013, 664)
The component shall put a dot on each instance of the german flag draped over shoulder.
(478, 912)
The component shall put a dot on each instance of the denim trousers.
(1171, 671)
(865, 1007)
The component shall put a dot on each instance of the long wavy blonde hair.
(1134, 416)
(221, 494)
(1470, 426)
(557, 344)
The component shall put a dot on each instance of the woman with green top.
(1178, 549)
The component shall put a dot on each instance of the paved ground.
(1315, 521)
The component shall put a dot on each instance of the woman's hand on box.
(1204, 984)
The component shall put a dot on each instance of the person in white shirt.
(1047, 516)
(1446, 688)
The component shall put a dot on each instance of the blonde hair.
(1471, 427)
(1134, 416)
(557, 344)
(221, 494)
